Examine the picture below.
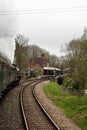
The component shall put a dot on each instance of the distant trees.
(36, 51)
(54, 61)
(77, 60)
(21, 52)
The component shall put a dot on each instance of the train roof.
(51, 68)
(2, 60)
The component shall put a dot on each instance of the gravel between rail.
(56, 113)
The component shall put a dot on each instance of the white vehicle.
(51, 71)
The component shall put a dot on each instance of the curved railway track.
(34, 115)
(10, 114)
(12, 119)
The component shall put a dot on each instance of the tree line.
(75, 59)
(24, 51)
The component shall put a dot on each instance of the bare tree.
(77, 60)
(21, 52)
(54, 61)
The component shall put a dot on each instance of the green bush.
(70, 83)
(74, 107)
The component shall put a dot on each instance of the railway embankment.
(67, 111)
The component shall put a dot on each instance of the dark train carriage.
(8, 74)
(3, 75)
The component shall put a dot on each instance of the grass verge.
(73, 106)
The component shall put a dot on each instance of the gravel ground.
(56, 113)
(10, 116)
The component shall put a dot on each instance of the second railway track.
(34, 117)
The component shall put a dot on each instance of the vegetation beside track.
(73, 106)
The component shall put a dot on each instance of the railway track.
(34, 115)
(10, 115)
(35, 119)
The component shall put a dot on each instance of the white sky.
(49, 29)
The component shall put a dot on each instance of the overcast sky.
(48, 23)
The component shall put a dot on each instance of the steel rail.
(44, 110)
(22, 106)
